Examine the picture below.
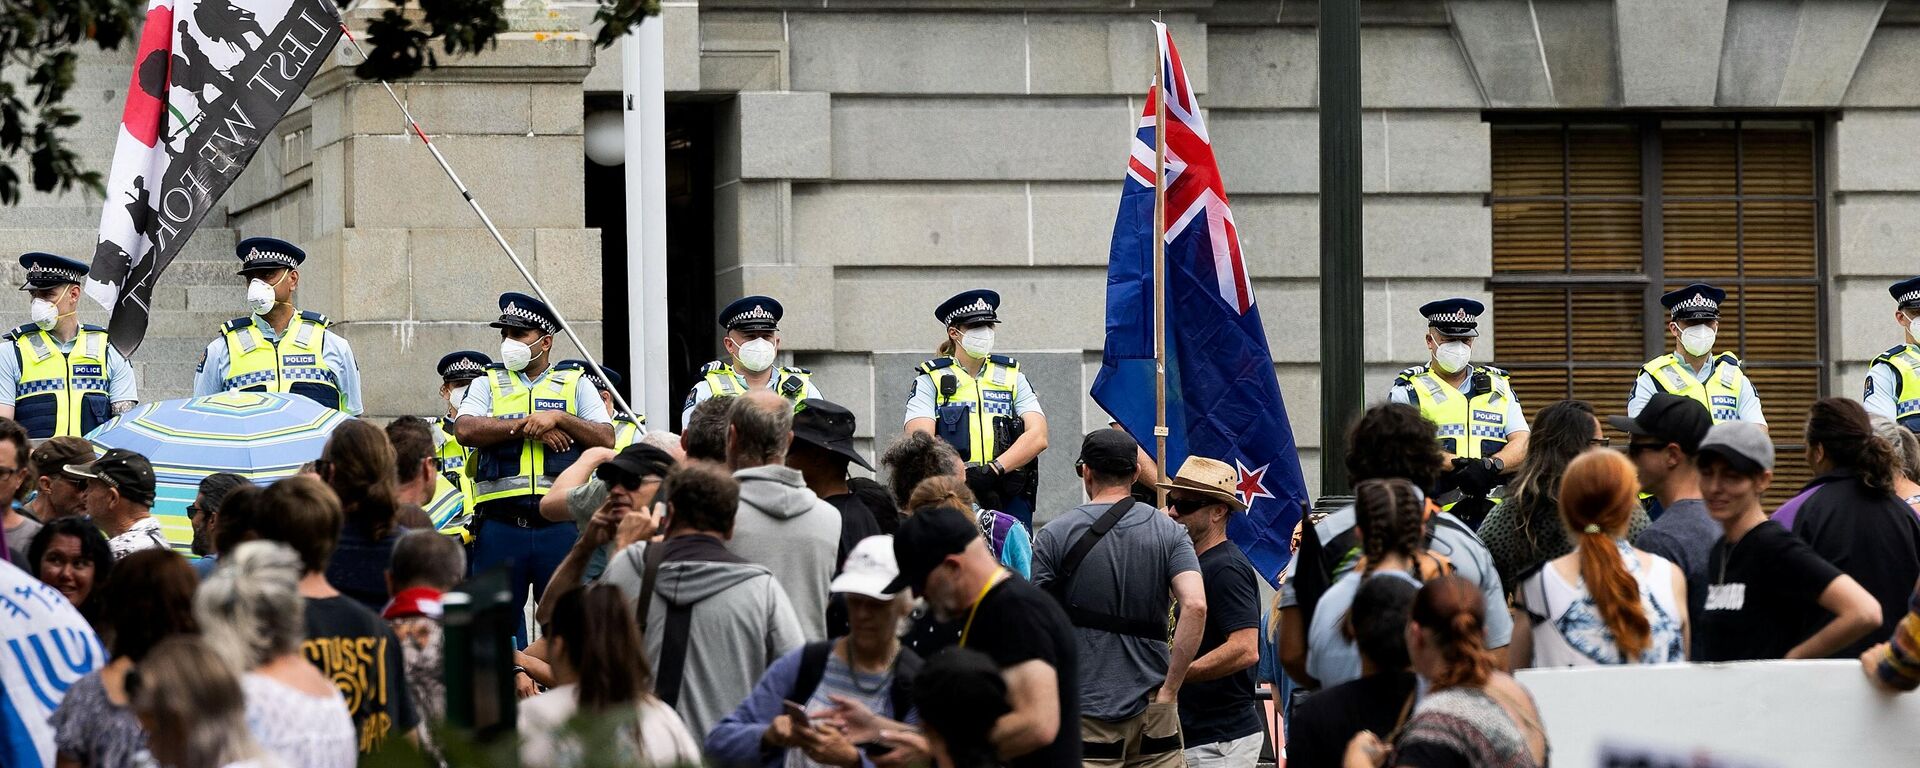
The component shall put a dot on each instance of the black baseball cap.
(1110, 451)
(925, 540)
(639, 460)
(128, 472)
(827, 425)
(1682, 421)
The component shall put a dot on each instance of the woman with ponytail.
(1607, 603)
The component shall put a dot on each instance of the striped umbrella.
(261, 436)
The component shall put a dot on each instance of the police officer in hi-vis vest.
(278, 348)
(525, 422)
(627, 427)
(453, 492)
(63, 378)
(982, 405)
(752, 343)
(1479, 421)
(1693, 370)
(1893, 381)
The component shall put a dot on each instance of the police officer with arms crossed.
(457, 372)
(627, 427)
(1893, 382)
(752, 343)
(1479, 421)
(525, 422)
(982, 405)
(278, 348)
(1693, 370)
(63, 378)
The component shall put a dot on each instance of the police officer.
(1478, 419)
(63, 378)
(525, 422)
(1692, 370)
(1893, 381)
(981, 403)
(277, 348)
(453, 497)
(627, 427)
(752, 343)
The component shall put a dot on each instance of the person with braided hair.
(1607, 603)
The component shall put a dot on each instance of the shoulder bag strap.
(1063, 577)
(649, 572)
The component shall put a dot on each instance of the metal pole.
(643, 68)
(1160, 262)
(585, 353)
(1342, 296)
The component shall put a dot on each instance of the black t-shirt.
(1017, 623)
(358, 567)
(355, 649)
(1760, 591)
(1223, 709)
(856, 523)
(1324, 722)
(1869, 535)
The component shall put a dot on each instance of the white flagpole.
(1160, 263)
(644, 109)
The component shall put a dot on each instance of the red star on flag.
(1252, 483)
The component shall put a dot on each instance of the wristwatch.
(998, 468)
(1498, 465)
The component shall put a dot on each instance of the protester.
(357, 464)
(665, 441)
(596, 657)
(416, 477)
(347, 641)
(250, 612)
(233, 521)
(1389, 441)
(1906, 455)
(1664, 440)
(1392, 524)
(738, 619)
(918, 457)
(148, 598)
(14, 469)
(1894, 665)
(1219, 720)
(703, 435)
(1525, 529)
(193, 708)
(1848, 512)
(1607, 603)
(36, 615)
(425, 566)
(1769, 594)
(56, 493)
(119, 498)
(612, 496)
(822, 449)
(1323, 723)
(1116, 595)
(72, 556)
(867, 672)
(942, 557)
(781, 524)
(204, 513)
(961, 695)
(1472, 714)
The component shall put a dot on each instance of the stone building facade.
(870, 157)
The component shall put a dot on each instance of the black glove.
(1476, 477)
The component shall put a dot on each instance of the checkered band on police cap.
(48, 275)
(754, 314)
(978, 307)
(544, 323)
(1696, 302)
(464, 365)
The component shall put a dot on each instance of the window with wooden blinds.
(1593, 221)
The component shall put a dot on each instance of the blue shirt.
(1883, 387)
(336, 355)
(120, 383)
(479, 400)
(1643, 389)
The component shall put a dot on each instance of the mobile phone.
(796, 713)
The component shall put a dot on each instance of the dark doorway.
(691, 333)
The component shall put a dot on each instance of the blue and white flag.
(45, 647)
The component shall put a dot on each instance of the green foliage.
(587, 741)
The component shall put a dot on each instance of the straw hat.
(1211, 478)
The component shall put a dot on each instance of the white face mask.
(260, 296)
(978, 341)
(1697, 339)
(516, 355)
(458, 395)
(1453, 356)
(756, 355)
(45, 314)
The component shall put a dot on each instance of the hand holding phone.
(797, 714)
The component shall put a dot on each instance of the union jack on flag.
(1223, 400)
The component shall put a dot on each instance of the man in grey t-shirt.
(1118, 599)
(1665, 436)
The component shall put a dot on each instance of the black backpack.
(813, 667)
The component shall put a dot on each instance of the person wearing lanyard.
(982, 405)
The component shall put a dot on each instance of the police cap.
(752, 313)
(465, 365)
(267, 253)
(518, 310)
(1694, 302)
(1907, 292)
(1459, 317)
(969, 308)
(46, 270)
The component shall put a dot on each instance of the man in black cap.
(119, 497)
(1692, 370)
(822, 448)
(1482, 430)
(1665, 436)
(1024, 631)
(753, 345)
(1893, 381)
(277, 348)
(63, 378)
(627, 427)
(525, 424)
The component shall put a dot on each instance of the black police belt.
(516, 512)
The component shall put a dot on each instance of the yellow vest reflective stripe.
(977, 417)
(294, 363)
(524, 467)
(627, 431)
(451, 508)
(1905, 361)
(1720, 393)
(61, 393)
(1471, 428)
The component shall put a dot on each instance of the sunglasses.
(1601, 442)
(1187, 506)
(626, 480)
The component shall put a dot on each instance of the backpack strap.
(813, 667)
(1062, 584)
(649, 572)
(906, 667)
(673, 653)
